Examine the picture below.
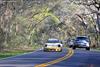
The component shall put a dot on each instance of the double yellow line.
(68, 55)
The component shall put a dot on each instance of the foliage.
(28, 23)
(45, 12)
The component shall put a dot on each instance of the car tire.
(70, 46)
(45, 50)
(60, 50)
(74, 47)
(87, 48)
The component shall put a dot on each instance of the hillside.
(26, 24)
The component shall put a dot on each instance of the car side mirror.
(61, 42)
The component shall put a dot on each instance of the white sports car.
(53, 45)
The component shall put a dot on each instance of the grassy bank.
(97, 48)
(14, 52)
(10, 53)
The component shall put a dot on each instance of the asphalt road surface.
(66, 58)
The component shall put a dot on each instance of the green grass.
(97, 48)
(9, 53)
(5, 54)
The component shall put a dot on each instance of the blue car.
(82, 42)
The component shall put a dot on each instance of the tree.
(2, 39)
(93, 7)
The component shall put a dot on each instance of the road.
(66, 58)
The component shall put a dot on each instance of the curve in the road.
(68, 55)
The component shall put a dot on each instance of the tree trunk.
(98, 29)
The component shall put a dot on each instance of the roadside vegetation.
(9, 53)
(6, 54)
(27, 24)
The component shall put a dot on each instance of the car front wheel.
(87, 48)
(74, 47)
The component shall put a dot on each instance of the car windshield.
(82, 38)
(53, 41)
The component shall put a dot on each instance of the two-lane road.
(66, 58)
(31, 59)
(81, 58)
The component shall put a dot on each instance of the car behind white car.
(70, 43)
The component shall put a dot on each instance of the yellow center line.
(68, 55)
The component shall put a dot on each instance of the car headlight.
(87, 44)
